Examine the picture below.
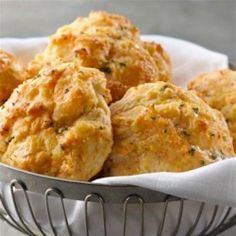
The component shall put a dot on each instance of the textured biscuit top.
(161, 59)
(11, 74)
(102, 23)
(58, 123)
(218, 89)
(160, 127)
(111, 44)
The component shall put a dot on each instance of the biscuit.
(218, 89)
(161, 59)
(58, 123)
(11, 75)
(160, 127)
(111, 44)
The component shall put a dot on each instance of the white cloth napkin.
(214, 184)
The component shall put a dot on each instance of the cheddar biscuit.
(11, 75)
(58, 123)
(160, 127)
(110, 43)
(218, 89)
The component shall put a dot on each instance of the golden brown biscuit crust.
(161, 59)
(11, 74)
(58, 123)
(111, 44)
(160, 127)
(218, 89)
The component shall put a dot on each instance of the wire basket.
(26, 182)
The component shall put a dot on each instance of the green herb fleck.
(196, 110)
(222, 152)
(181, 105)
(213, 156)
(36, 76)
(10, 139)
(163, 88)
(81, 72)
(61, 130)
(212, 134)
(153, 117)
(122, 64)
(192, 150)
(106, 69)
(202, 162)
(185, 132)
(225, 138)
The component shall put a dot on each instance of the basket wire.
(20, 224)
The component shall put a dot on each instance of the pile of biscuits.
(99, 100)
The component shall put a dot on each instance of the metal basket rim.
(64, 180)
(77, 190)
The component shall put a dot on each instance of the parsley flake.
(106, 69)
(185, 132)
(61, 130)
(163, 88)
(192, 150)
(122, 64)
(212, 134)
(196, 110)
(213, 156)
(62, 147)
(10, 139)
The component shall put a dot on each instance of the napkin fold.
(215, 183)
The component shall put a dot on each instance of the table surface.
(210, 23)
